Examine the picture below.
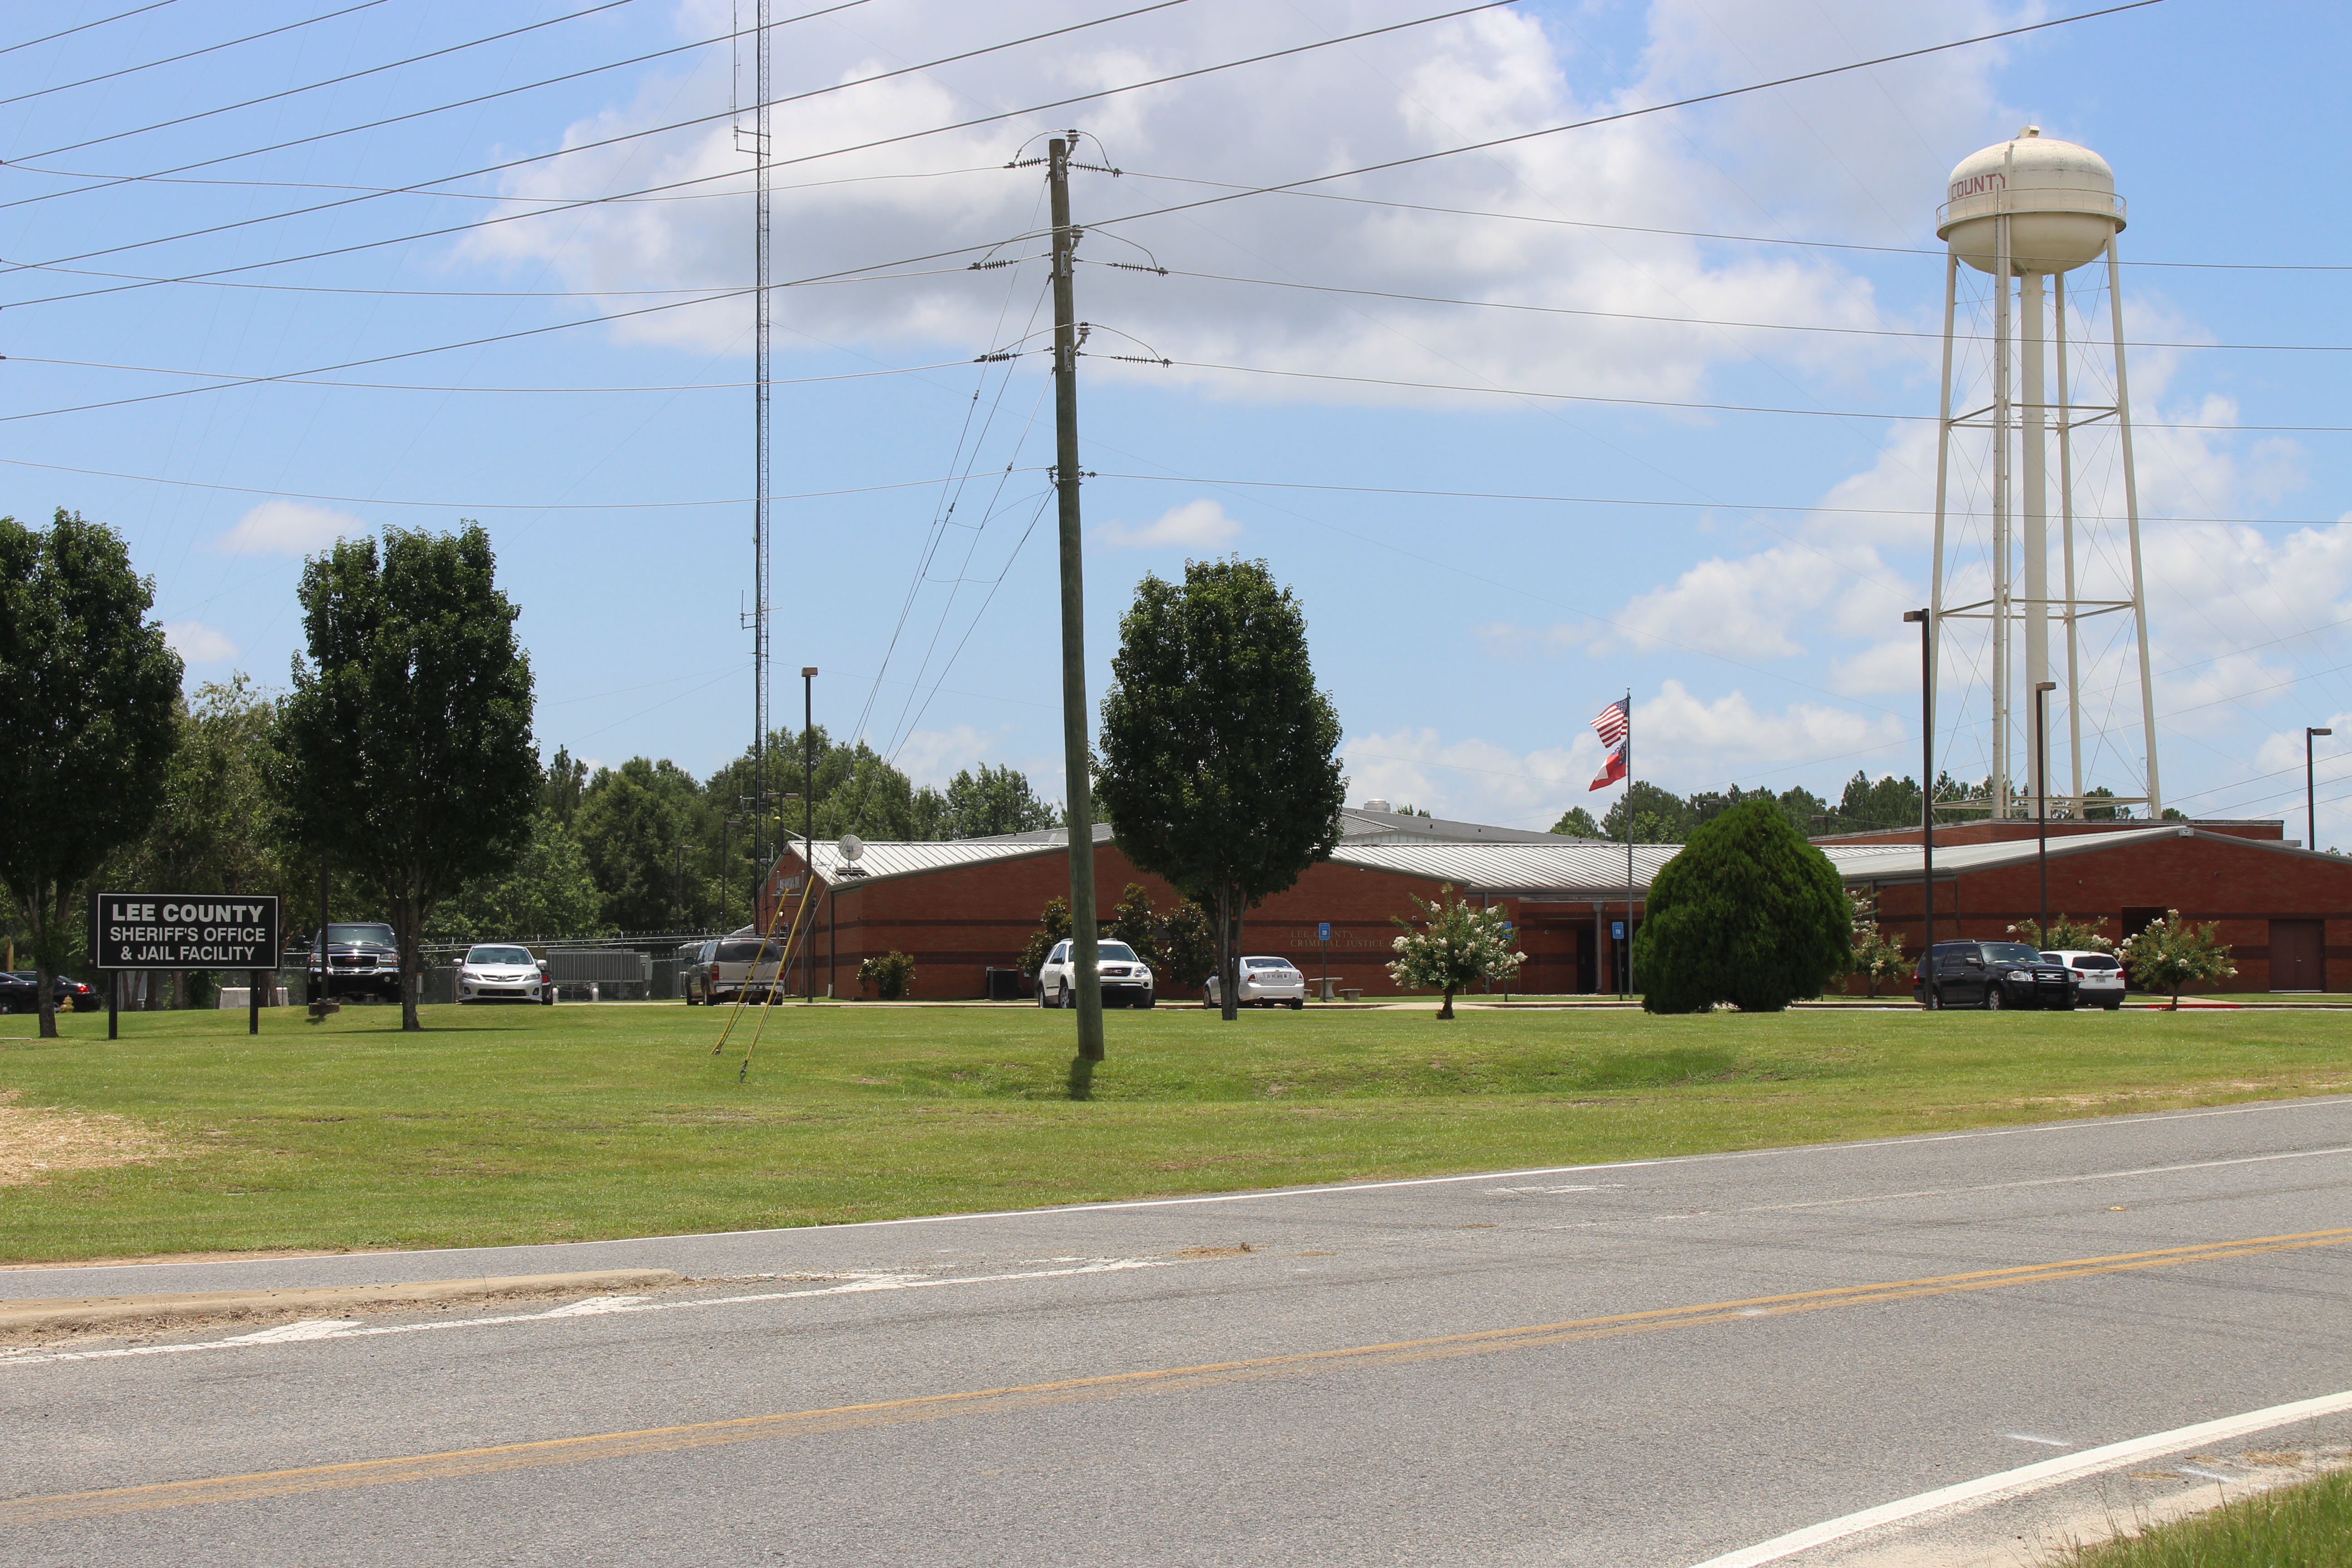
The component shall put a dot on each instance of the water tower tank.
(2061, 199)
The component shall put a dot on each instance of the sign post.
(182, 931)
(1325, 937)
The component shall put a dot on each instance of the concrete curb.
(84, 1313)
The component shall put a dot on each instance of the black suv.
(363, 960)
(1992, 975)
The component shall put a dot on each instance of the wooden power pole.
(1075, 750)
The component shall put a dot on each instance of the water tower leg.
(1943, 485)
(2003, 339)
(2033, 483)
(2131, 524)
(2066, 539)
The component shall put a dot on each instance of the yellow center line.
(1030, 1395)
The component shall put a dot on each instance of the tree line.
(398, 767)
(1865, 805)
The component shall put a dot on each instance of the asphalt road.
(1639, 1364)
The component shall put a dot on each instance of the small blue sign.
(1326, 930)
(1507, 928)
(1617, 930)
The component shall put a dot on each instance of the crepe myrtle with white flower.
(1455, 946)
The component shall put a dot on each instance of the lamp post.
(1926, 620)
(2041, 690)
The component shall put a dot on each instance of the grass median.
(2303, 1526)
(532, 1124)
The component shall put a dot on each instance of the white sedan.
(1264, 982)
(497, 972)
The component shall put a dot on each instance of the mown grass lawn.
(2303, 1526)
(577, 1122)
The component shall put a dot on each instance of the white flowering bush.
(1455, 946)
(2066, 934)
(2171, 954)
(1876, 956)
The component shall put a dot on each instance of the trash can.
(1003, 984)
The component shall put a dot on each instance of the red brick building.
(962, 908)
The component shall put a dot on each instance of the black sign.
(184, 931)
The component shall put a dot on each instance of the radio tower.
(762, 151)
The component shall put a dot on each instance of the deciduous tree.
(1455, 946)
(406, 743)
(1219, 766)
(90, 688)
(2171, 952)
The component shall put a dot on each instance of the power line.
(1625, 114)
(1668, 401)
(278, 494)
(1689, 233)
(208, 49)
(84, 28)
(778, 163)
(1688, 320)
(412, 387)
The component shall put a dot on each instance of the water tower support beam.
(2033, 477)
(2004, 336)
(2131, 524)
(2067, 537)
(1942, 482)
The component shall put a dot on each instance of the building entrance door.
(2297, 960)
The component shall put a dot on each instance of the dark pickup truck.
(363, 960)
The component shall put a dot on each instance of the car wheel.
(1992, 1002)
(2114, 1007)
(1150, 999)
(1298, 1004)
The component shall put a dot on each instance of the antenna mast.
(762, 150)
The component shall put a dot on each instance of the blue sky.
(1742, 572)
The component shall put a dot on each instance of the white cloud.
(198, 643)
(1421, 88)
(934, 756)
(287, 528)
(1195, 525)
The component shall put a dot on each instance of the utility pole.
(1075, 750)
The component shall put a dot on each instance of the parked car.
(501, 972)
(1992, 975)
(20, 991)
(2101, 982)
(363, 960)
(1126, 979)
(694, 969)
(1264, 982)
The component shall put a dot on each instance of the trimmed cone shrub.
(1748, 913)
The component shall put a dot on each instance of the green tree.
(92, 722)
(1660, 817)
(1576, 823)
(993, 801)
(1876, 804)
(2103, 812)
(892, 975)
(635, 824)
(214, 831)
(2067, 934)
(1455, 946)
(1748, 913)
(1053, 926)
(1219, 766)
(406, 743)
(550, 891)
(2170, 952)
(1188, 948)
(1133, 923)
(560, 788)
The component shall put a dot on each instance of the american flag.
(1613, 724)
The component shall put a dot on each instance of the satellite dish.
(851, 847)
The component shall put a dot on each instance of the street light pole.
(2310, 794)
(1926, 620)
(2041, 690)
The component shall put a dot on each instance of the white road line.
(2036, 1182)
(311, 1330)
(2030, 1478)
(2104, 1123)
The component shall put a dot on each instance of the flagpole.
(1627, 993)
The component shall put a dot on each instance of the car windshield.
(351, 934)
(2011, 952)
(1118, 951)
(500, 955)
(2097, 960)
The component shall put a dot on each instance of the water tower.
(2026, 212)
